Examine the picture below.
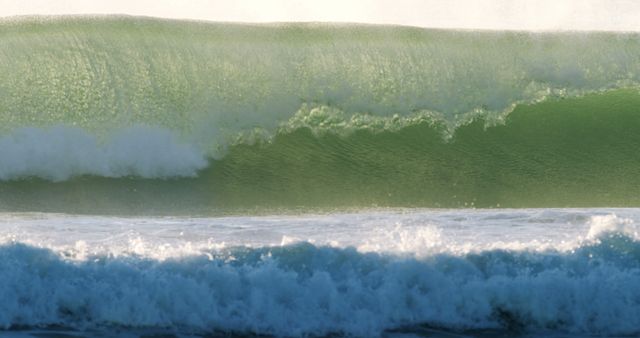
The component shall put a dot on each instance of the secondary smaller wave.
(61, 152)
(304, 289)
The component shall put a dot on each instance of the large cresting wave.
(111, 112)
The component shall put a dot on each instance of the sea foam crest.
(607, 225)
(61, 152)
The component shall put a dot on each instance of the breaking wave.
(302, 289)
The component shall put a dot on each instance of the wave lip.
(303, 289)
(61, 152)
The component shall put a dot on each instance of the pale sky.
(479, 14)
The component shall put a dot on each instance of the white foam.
(61, 152)
(606, 224)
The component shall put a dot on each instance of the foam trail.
(59, 153)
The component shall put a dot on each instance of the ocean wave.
(303, 289)
(312, 115)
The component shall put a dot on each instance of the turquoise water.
(371, 273)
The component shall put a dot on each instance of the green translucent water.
(575, 152)
(325, 116)
(571, 152)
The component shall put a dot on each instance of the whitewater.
(164, 178)
(393, 273)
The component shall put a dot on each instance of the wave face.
(580, 287)
(312, 115)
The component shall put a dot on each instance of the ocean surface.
(165, 178)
